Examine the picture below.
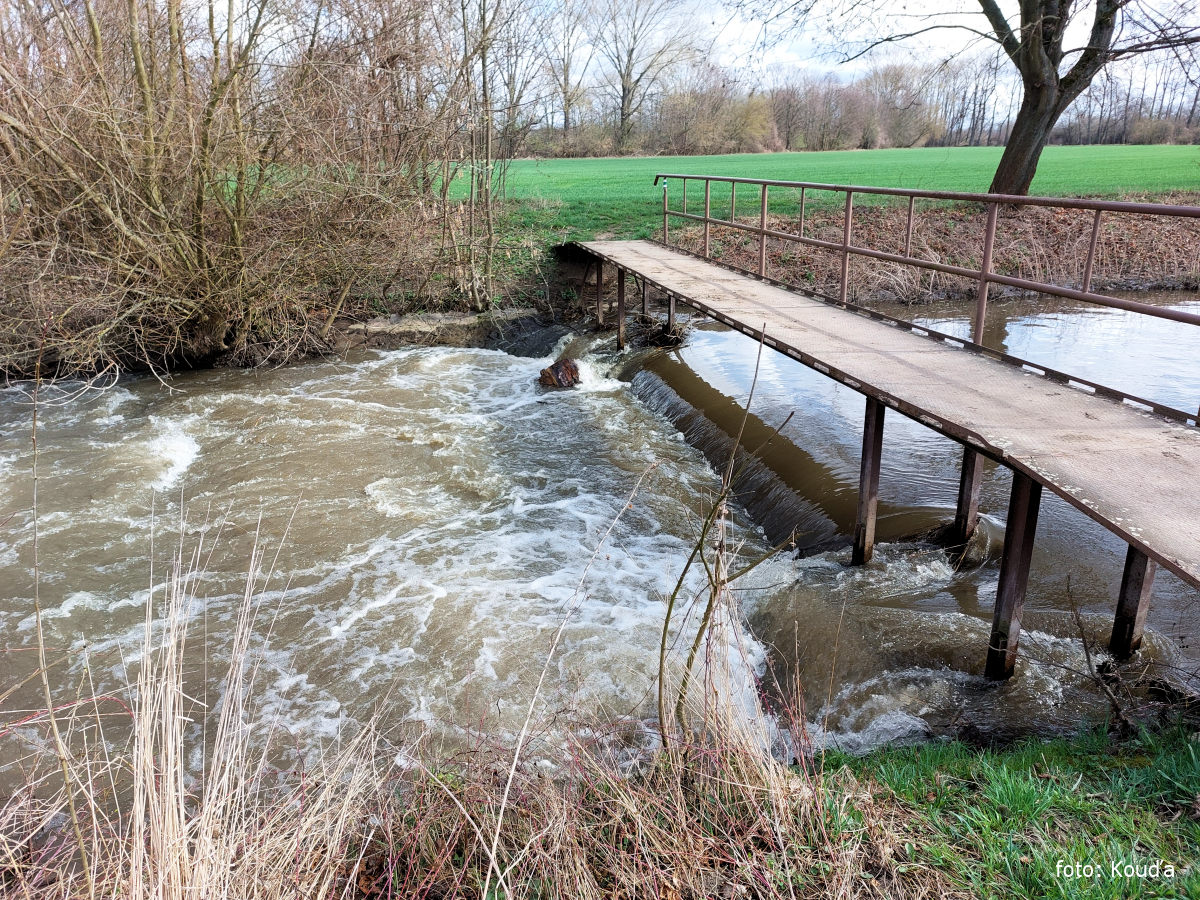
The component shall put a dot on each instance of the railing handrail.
(1125, 206)
(985, 276)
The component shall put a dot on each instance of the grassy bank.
(711, 820)
(1010, 822)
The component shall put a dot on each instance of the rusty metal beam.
(847, 225)
(620, 309)
(1122, 206)
(966, 516)
(1023, 506)
(762, 233)
(645, 298)
(599, 293)
(912, 202)
(868, 483)
(1137, 582)
(1091, 254)
(707, 216)
(666, 216)
(985, 271)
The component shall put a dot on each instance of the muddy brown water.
(431, 515)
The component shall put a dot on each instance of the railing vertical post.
(733, 201)
(707, 210)
(985, 272)
(1136, 583)
(762, 233)
(666, 213)
(599, 292)
(908, 230)
(685, 181)
(1091, 257)
(868, 484)
(1014, 576)
(620, 309)
(847, 225)
(802, 198)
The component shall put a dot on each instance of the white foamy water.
(171, 449)
(432, 516)
(436, 515)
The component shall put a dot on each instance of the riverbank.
(1081, 817)
(306, 274)
(1089, 816)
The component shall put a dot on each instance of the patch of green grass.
(1000, 821)
(569, 199)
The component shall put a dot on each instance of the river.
(430, 516)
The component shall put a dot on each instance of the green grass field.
(999, 821)
(580, 198)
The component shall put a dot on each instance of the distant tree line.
(591, 101)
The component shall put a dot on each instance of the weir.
(1126, 462)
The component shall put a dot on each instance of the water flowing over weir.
(440, 510)
(910, 625)
(434, 512)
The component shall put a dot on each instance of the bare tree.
(191, 180)
(1053, 76)
(707, 109)
(785, 97)
(896, 93)
(640, 41)
(1035, 36)
(568, 53)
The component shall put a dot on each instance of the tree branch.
(1003, 31)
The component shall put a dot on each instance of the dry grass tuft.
(715, 816)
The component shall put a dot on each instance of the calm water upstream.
(434, 512)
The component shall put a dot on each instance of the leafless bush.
(182, 182)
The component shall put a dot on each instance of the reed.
(715, 817)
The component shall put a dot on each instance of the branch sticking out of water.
(719, 574)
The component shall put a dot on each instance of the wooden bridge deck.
(1129, 469)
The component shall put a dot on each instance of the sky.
(753, 41)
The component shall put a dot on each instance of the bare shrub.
(184, 182)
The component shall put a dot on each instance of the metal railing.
(984, 276)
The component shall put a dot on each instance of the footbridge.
(1128, 463)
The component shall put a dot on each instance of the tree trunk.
(1031, 129)
(625, 120)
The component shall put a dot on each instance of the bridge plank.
(1130, 470)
